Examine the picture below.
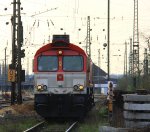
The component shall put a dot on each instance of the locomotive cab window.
(72, 63)
(47, 63)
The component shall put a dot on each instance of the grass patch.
(92, 126)
(95, 118)
(103, 111)
(88, 128)
(17, 125)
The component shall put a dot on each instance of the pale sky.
(71, 15)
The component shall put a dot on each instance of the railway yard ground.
(18, 118)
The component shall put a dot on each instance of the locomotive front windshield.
(47, 63)
(72, 63)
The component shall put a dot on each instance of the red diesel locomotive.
(63, 80)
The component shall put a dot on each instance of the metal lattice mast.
(99, 58)
(145, 66)
(99, 64)
(88, 42)
(125, 60)
(14, 37)
(135, 45)
(17, 53)
(19, 44)
(131, 59)
(108, 41)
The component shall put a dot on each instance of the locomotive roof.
(52, 46)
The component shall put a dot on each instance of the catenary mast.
(17, 42)
(135, 46)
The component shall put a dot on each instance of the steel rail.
(35, 127)
(71, 127)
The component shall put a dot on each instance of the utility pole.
(125, 60)
(108, 40)
(17, 54)
(145, 66)
(13, 64)
(5, 69)
(99, 64)
(27, 72)
(88, 41)
(136, 73)
(19, 43)
(99, 58)
(131, 59)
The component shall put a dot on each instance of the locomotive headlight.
(39, 87)
(78, 87)
(75, 87)
(44, 87)
(81, 87)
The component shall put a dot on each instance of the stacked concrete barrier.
(136, 110)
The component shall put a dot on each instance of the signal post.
(16, 73)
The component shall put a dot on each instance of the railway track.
(46, 126)
(72, 127)
(36, 127)
(4, 103)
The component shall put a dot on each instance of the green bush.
(103, 111)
